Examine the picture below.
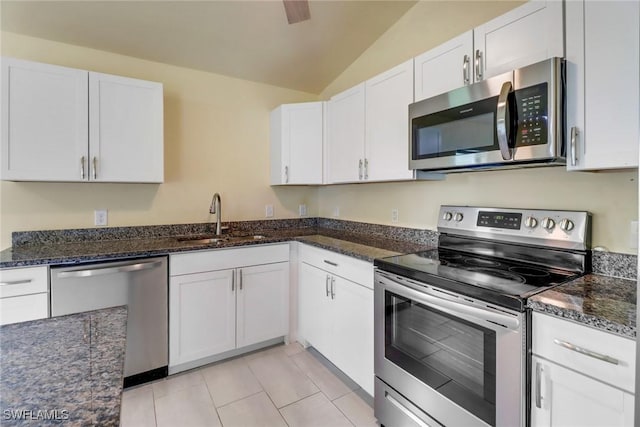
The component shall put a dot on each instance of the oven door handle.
(452, 307)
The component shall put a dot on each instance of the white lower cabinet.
(568, 398)
(580, 376)
(24, 294)
(336, 314)
(213, 313)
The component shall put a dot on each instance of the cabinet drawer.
(549, 334)
(23, 281)
(218, 259)
(24, 308)
(345, 266)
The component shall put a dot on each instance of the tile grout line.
(213, 402)
(267, 393)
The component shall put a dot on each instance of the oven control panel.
(552, 228)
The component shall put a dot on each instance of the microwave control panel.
(532, 110)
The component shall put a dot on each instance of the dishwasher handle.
(100, 271)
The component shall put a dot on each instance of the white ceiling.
(245, 39)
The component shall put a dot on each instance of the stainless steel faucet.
(216, 208)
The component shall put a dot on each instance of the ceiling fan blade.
(297, 10)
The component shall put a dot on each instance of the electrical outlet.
(394, 215)
(302, 210)
(336, 212)
(268, 211)
(100, 217)
(633, 235)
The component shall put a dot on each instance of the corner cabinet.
(572, 384)
(68, 125)
(227, 301)
(297, 134)
(603, 118)
(335, 311)
(367, 129)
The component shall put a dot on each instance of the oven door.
(461, 362)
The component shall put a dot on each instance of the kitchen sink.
(208, 240)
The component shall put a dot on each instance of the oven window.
(451, 355)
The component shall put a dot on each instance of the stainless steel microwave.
(512, 120)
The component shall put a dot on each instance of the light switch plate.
(268, 211)
(336, 212)
(394, 215)
(302, 210)
(100, 217)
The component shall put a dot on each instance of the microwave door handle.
(501, 121)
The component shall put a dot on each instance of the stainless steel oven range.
(451, 331)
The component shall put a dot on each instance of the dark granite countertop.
(53, 371)
(602, 302)
(359, 245)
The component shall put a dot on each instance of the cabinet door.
(446, 67)
(352, 333)
(44, 122)
(314, 314)
(528, 34)
(125, 129)
(602, 84)
(296, 143)
(345, 141)
(388, 96)
(202, 315)
(562, 397)
(263, 303)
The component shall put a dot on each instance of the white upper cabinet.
(45, 122)
(388, 96)
(345, 141)
(368, 133)
(297, 143)
(602, 84)
(444, 68)
(63, 124)
(125, 129)
(525, 35)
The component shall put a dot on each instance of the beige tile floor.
(284, 386)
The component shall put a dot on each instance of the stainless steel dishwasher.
(141, 284)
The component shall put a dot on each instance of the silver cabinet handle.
(82, 167)
(501, 121)
(240, 278)
(538, 385)
(286, 174)
(326, 261)
(94, 331)
(95, 167)
(233, 282)
(465, 70)
(586, 352)
(109, 270)
(360, 170)
(574, 136)
(478, 65)
(366, 168)
(333, 287)
(16, 282)
(326, 285)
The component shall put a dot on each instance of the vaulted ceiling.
(246, 39)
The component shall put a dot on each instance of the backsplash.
(605, 263)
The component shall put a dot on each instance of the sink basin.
(202, 240)
(208, 240)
